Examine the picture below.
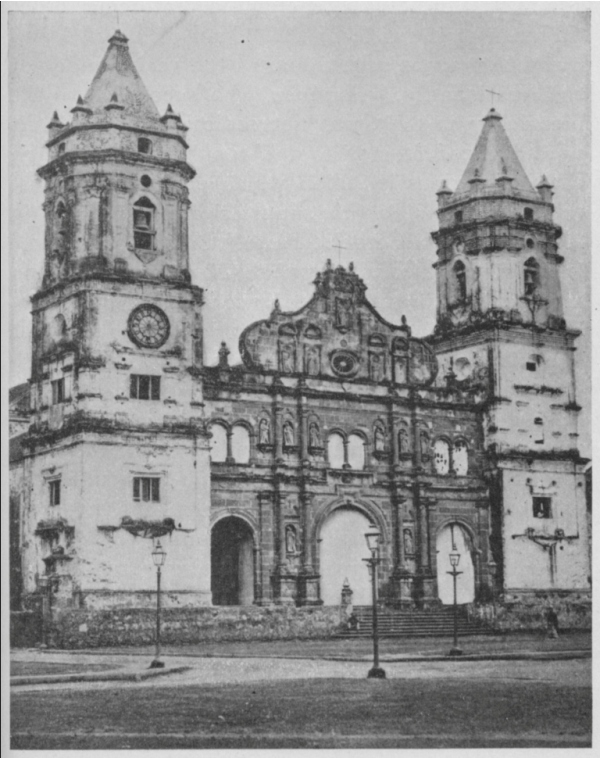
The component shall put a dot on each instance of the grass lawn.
(34, 668)
(362, 647)
(307, 713)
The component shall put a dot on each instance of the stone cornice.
(71, 129)
(112, 154)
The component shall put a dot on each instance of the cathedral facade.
(262, 477)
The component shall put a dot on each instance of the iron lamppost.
(373, 538)
(454, 561)
(158, 556)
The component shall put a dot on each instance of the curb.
(565, 655)
(107, 676)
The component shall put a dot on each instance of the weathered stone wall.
(515, 614)
(136, 626)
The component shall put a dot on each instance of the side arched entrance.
(342, 549)
(232, 562)
(453, 538)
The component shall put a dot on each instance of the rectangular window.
(530, 366)
(144, 387)
(146, 489)
(58, 391)
(54, 491)
(542, 507)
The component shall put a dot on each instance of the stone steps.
(434, 623)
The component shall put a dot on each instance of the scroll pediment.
(338, 334)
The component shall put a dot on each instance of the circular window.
(530, 243)
(148, 326)
(145, 181)
(344, 363)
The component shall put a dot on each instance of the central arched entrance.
(342, 549)
(232, 562)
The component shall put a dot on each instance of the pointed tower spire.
(494, 158)
(118, 76)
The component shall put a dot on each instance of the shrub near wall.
(526, 614)
(77, 628)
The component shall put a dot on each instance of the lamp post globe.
(159, 556)
(373, 538)
(454, 561)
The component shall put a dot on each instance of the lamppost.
(373, 538)
(454, 560)
(158, 556)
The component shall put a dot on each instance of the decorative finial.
(328, 264)
(114, 104)
(403, 320)
(54, 122)
(170, 114)
(351, 266)
(118, 38)
(224, 355)
(80, 106)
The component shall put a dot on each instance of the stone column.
(266, 553)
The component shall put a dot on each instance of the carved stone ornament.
(146, 256)
(344, 363)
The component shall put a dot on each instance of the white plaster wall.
(515, 421)
(97, 490)
(527, 565)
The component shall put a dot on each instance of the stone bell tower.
(118, 448)
(500, 324)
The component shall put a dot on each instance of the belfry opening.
(232, 562)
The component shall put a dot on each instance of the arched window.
(460, 273)
(144, 145)
(532, 276)
(403, 442)
(528, 214)
(218, 443)
(240, 444)
(356, 451)
(458, 216)
(460, 458)
(442, 457)
(335, 450)
(143, 224)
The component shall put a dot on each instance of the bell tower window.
(144, 145)
(460, 274)
(143, 224)
(532, 276)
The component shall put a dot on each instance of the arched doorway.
(232, 562)
(454, 539)
(342, 549)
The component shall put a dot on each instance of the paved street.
(236, 702)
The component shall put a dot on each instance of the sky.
(313, 130)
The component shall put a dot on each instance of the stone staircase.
(414, 623)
